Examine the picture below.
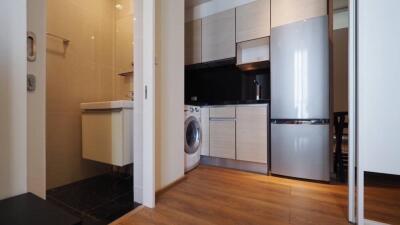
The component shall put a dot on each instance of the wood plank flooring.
(211, 195)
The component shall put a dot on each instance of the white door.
(36, 152)
(13, 128)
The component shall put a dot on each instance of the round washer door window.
(192, 135)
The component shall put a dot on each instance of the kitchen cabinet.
(252, 133)
(252, 51)
(289, 11)
(205, 128)
(253, 20)
(193, 42)
(222, 138)
(218, 36)
(223, 112)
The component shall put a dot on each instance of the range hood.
(253, 54)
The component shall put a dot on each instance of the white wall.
(13, 68)
(212, 7)
(37, 102)
(169, 91)
(147, 103)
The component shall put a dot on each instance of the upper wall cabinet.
(193, 42)
(218, 36)
(289, 11)
(253, 20)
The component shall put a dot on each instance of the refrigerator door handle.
(299, 121)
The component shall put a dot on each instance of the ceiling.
(193, 3)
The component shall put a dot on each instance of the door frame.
(144, 104)
(352, 71)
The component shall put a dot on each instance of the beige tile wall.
(83, 71)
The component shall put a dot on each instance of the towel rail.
(64, 40)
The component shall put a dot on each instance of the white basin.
(120, 104)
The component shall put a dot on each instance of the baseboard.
(138, 194)
(371, 222)
(164, 189)
(235, 164)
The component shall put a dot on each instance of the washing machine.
(193, 136)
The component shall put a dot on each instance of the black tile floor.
(98, 200)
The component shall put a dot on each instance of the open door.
(36, 97)
(375, 78)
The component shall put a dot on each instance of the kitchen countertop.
(221, 103)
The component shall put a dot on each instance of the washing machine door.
(192, 135)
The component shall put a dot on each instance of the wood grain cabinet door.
(205, 128)
(289, 11)
(253, 20)
(193, 42)
(252, 133)
(222, 138)
(218, 36)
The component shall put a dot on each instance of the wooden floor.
(212, 195)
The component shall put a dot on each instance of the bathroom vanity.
(107, 132)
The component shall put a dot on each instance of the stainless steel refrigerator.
(300, 99)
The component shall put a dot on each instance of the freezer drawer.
(300, 150)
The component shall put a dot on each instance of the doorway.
(89, 108)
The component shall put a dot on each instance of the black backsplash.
(225, 83)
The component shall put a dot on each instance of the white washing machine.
(193, 136)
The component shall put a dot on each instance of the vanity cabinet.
(252, 133)
(253, 20)
(193, 42)
(289, 11)
(222, 138)
(218, 36)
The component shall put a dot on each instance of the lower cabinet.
(205, 128)
(222, 138)
(252, 133)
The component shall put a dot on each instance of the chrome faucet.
(258, 90)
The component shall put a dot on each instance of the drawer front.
(222, 139)
(223, 112)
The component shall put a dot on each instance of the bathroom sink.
(120, 104)
(107, 132)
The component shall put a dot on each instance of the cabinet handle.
(222, 119)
